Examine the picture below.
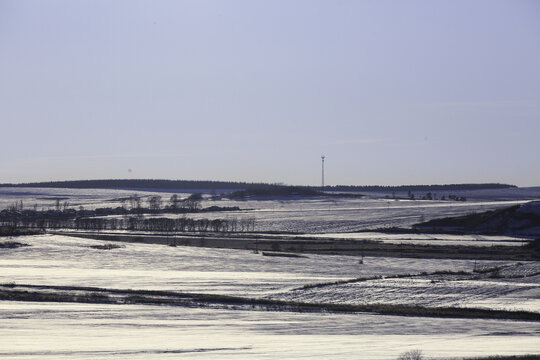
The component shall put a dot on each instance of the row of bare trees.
(156, 204)
(138, 223)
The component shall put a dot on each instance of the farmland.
(88, 298)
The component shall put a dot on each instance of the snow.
(309, 215)
(100, 331)
(424, 239)
(83, 331)
(434, 291)
(61, 260)
(94, 331)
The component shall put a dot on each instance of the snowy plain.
(93, 331)
(311, 215)
(62, 330)
(100, 331)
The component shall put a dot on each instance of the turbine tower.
(322, 160)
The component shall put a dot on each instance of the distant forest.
(227, 185)
(143, 184)
(447, 187)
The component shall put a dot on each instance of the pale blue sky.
(393, 92)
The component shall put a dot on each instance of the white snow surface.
(101, 331)
(62, 260)
(433, 239)
(54, 331)
(308, 215)
(430, 291)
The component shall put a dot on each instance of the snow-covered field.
(469, 291)
(55, 331)
(99, 331)
(83, 331)
(309, 215)
(425, 239)
(60, 260)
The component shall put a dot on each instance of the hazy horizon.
(392, 92)
(262, 182)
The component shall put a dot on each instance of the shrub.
(411, 355)
(106, 246)
(11, 245)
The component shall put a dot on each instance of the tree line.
(129, 216)
(246, 188)
(130, 205)
(444, 187)
(134, 184)
(138, 223)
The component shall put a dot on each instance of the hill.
(230, 185)
(405, 188)
(142, 184)
(521, 220)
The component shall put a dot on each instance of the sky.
(392, 92)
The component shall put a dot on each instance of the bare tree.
(135, 201)
(154, 203)
(193, 202)
(174, 201)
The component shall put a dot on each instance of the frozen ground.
(309, 215)
(425, 239)
(83, 331)
(468, 291)
(87, 331)
(100, 331)
(60, 260)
